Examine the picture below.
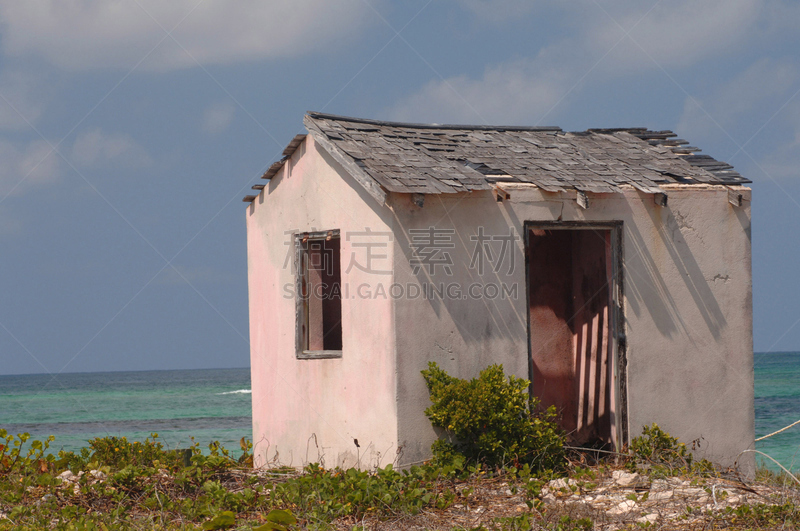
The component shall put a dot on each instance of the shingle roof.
(433, 159)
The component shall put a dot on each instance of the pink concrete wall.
(313, 410)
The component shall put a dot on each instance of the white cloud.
(24, 167)
(763, 80)
(218, 117)
(675, 33)
(97, 148)
(516, 92)
(86, 34)
(743, 104)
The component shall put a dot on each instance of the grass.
(119, 484)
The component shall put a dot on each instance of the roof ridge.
(326, 116)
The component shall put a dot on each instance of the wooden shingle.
(432, 159)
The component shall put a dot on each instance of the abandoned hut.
(610, 267)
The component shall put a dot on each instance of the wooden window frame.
(302, 308)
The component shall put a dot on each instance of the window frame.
(301, 309)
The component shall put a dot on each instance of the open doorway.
(574, 289)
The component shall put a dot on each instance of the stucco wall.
(687, 307)
(314, 410)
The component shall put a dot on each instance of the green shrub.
(13, 460)
(666, 455)
(654, 444)
(489, 420)
(117, 452)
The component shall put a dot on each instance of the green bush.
(117, 452)
(654, 444)
(489, 420)
(14, 461)
(665, 453)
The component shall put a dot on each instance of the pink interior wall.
(592, 284)
(569, 295)
(551, 296)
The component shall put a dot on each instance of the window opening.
(320, 279)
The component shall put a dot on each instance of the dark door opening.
(571, 281)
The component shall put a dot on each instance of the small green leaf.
(221, 521)
(280, 516)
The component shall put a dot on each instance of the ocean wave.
(238, 392)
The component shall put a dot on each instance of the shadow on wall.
(645, 285)
(489, 264)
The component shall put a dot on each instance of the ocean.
(777, 404)
(209, 405)
(214, 405)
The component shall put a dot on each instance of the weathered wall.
(687, 307)
(313, 410)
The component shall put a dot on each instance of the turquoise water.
(777, 404)
(215, 404)
(209, 405)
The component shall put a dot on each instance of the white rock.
(67, 475)
(660, 495)
(549, 499)
(624, 479)
(622, 508)
(97, 474)
(660, 484)
(648, 519)
(692, 492)
(562, 483)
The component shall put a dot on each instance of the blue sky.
(130, 130)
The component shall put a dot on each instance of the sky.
(131, 129)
